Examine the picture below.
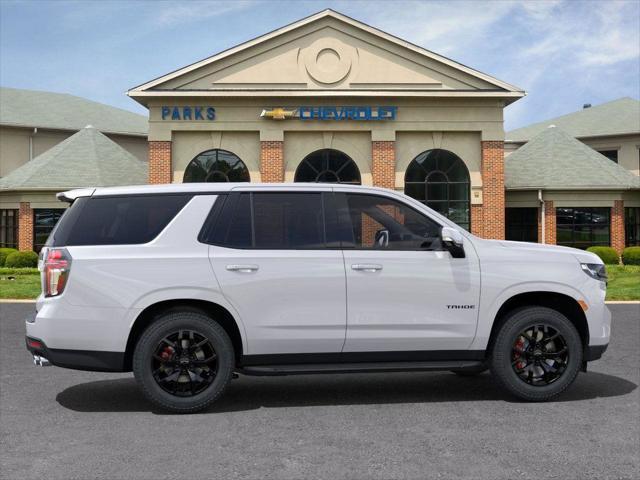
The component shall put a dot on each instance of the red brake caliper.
(519, 345)
(167, 353)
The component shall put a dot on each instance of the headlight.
(595, 270)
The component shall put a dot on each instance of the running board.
(360, 367)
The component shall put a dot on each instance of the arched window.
(440, 179)
(328, 166)
(216, 166)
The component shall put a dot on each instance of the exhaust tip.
(41, 361)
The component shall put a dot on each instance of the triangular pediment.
(327, 52)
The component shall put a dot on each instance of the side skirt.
(359, 362)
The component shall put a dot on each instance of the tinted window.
(288, 220)
(582, 227)
(44, 221)
(272, 221)
(374, 222)
(118, 220)
(521, 224)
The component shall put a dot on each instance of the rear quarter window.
(117, 220)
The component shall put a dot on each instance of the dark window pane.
(44, 221)
(288, 220)
(437, 191)
(382, 223)
(239, 229)
(328, 166)
(583, 227)
(416, 190)
(216, 166)
(118, 220)
(446, 180)
(522, 224)
(610, 154)
(8, 228)
(632, 226)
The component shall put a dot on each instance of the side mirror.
(453, 241)
(382, 238)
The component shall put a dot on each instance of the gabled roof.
(618, 117)
(553, 159)
(86, 159)
(160, 85)
(61, 111)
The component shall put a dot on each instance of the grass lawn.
(19, 282)
(624, 282)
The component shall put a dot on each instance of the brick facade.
(617, 226)
(383, 164)
(550, 223)
(272, 161)
(477, 220)
(488, 220)
(160, 168)
(25, 227)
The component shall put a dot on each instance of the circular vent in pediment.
(328, 61)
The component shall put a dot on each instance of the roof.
(618, 117)
(151, 88)
(553, 159)
(61, 111)
(87, 158)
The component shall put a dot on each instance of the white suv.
(188, 284)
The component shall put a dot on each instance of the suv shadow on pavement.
(250, 393)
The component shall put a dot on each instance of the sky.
(564, 53)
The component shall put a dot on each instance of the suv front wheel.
(183, 361)
(537, 353)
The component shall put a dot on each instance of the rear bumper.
(594, 352)
(91, 360)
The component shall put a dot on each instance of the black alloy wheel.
(537, 353)
(540, 355)
(184, 363)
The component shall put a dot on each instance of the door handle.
(242, 268)
(366, 267)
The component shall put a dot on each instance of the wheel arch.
(560, 302)
(154, 311)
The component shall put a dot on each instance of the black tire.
(471, 371)
(508, 354)
(215, 375)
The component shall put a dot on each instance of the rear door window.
(270, 221)
(117, 220)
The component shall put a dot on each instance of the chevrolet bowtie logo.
(278, 113)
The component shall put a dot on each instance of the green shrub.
(607, 254)
(631, 256)
(4, 253)
(21, 260)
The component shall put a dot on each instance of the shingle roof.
(85, 159)
(61, 111)
(618, 117)
(553, 159)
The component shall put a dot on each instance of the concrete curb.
(16, 300)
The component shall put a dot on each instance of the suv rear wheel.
(183, 361)
(537, 353)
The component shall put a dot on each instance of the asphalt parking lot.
(63, 424)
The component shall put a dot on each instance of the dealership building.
(330, 99)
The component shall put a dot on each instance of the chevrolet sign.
(365, 113)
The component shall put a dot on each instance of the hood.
(581, 255)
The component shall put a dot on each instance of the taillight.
(56, 269)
